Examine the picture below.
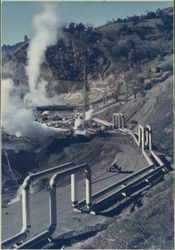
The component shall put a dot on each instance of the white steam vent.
(46, 32)
(17, 117)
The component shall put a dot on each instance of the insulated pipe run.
(25, 216)
(149, 132)
(118, 118)
(122, 120)
(140, 134)
(74, 190)
(143, 138)
(26, 204)
(88, 188)
(159, 161)
(146, 138)
(26, 208)
(52, 209)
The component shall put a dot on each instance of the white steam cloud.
(46, 29)
(16, 117)
(19, 120)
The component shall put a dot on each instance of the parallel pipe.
(74, 190)
(159, 161)
(88, 188)
(124, 189)
(124, 181)
(26, 204)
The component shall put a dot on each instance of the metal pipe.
(26, 208)
(88, 187)
(26, 204)
(52, 209)
(146, 138)
(159, 161)
(142, 136)
(51, 170)
(122, 189)
(66, 172)
(16, 238)
(74, 190)
(148, 127)
(31, 243)
(118, 117)
(52, 226)
(140, 133)
(128, 131)
(121, 119)
(115, 185)
(25, 216)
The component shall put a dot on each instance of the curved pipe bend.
(53, 179)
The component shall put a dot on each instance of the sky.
(17, 16)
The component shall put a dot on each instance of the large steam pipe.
(88, 187)
(124, 181)
(161, 164)
(53, 208)
(146, 138)
(121, 115)
(72, 172)
(44, 236)
(26, 204)
(74, 190)
(149, 135)
(140, 135)
(142, 142)
(128, 131)
(119, 123)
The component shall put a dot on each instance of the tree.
(80, 27)
(26, 38)
(71, 28)
(150, 15)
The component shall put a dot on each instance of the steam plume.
(46, 28)
(19, 120)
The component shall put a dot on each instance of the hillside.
(114, 48)
(139, 47)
